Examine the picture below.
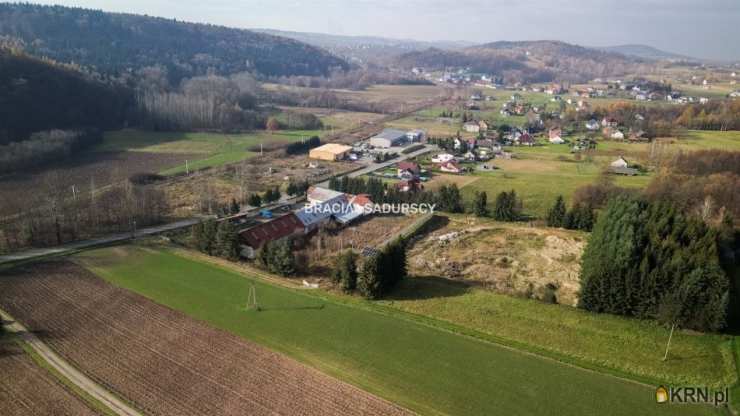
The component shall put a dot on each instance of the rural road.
(65, 248)
(377, 166)
(66, 370)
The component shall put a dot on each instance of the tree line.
(45, 147)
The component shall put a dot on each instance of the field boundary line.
(66, 370)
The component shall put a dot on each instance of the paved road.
(65, 248)
(65, 369)
(377, 166)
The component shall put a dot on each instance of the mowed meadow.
(540, 173)
(402, 357)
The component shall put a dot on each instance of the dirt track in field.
(162, 361)
(27, 389)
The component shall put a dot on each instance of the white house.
(443, 158)
(592, 125)
(471, 127)
(620, 163)
(450, 167)
(617, 135)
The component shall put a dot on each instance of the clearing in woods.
(425, 369)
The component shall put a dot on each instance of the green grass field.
(539, 182)
(393, 355)
(627, 346)
(206, 149)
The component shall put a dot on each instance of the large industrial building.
(330, 152)
(389, 138)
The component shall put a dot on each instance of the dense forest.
(114, 44)
(38, 96)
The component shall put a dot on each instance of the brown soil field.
(506, 258)
(27, 389)
(162, 361)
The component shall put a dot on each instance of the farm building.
(388, 138)
(330, 152)
(254, 238)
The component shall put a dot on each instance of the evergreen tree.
(334, 183)
(507, 207)
(234, 208)
(480, 205)
(255, 200)
(277, 256)
(556, 215)
(369, 280)
(196, 235)
(345, 271)
(227, 241)
(292, 189)
(652, 262)
(207, 243)
(449, 199)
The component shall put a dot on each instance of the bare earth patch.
(164, 362)
(507, 258)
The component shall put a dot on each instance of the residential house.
(621, 162)
(592, 125)
(450, 167)
(525, 139)
(319, 195)
(609, 122)
(471, 127)
(411, 185)
(555, 135)
(443, 158)
(617, 135)
(408, 170)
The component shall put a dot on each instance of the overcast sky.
(700, 28)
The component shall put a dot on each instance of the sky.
(700, 28)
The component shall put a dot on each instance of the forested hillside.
(114, 43)
(530, 61)
(38, 95)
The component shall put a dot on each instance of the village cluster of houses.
(324, 206)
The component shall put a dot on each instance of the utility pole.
(187, 167)
(665, 357)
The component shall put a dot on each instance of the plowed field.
(162, 361)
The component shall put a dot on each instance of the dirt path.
(69, 372)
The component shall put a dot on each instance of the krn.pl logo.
(661, 395)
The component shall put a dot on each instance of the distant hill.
(529, 61)
(114, 43)
(370, 49)
(646, 52)
(38, 95)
